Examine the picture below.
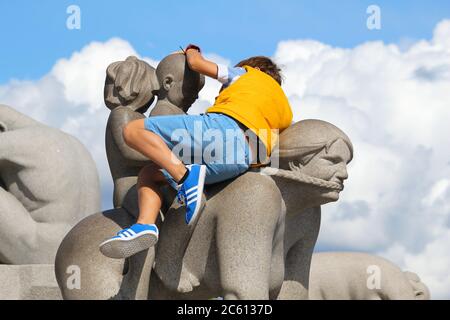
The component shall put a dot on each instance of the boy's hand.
(199, 64)
(184, 51)
(192, 46)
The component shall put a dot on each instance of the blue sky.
(34, 33)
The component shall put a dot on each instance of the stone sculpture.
(268, 257)
(48, 183)
(130, 89)
(278, 214)
(360, 276)
(29, 282)
(168, 82)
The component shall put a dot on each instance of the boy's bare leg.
(150, 199)
(153, 147)
(137, 238)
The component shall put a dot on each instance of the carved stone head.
(316, 153)
(421, 291)
(178, 84)
(131, 83)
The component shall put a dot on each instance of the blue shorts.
(212, 139)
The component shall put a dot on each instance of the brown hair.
(264, 64)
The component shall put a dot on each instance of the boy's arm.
(199, 64)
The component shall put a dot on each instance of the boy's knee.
(147, 172)
(151, 173)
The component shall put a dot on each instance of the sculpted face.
(315, 153)
(330, 165)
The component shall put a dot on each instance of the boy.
(251, 98)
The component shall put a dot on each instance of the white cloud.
(393, 103)
(83, 74)
(437, 192)
(441, 37)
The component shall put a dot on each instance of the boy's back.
(255, 100)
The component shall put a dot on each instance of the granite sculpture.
(48, 183)
(278, 214)
(172, 82)
(279, 209)
(360, 276)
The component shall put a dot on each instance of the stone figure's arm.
(117, 121)
(23, 240)
(6, 145)
(296, 283)
(245, 252)
(301, 235)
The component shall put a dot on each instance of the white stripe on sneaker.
(128, 234)
(191, 196)
(191, 189)
(192, 200)
(131, 232)
(192, 193)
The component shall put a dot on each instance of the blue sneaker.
(191, 191)
(130, 241)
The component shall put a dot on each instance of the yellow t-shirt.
(257, 101)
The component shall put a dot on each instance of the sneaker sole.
(122, 248)
(202, 175)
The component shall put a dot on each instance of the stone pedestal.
(28, 282)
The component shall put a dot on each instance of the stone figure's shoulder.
(254, 181)
(121, 115)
